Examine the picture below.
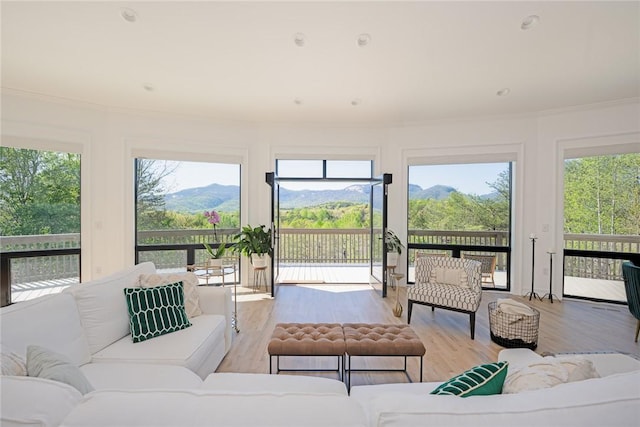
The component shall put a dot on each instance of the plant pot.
(392, 259)
(215, 262)
(259, 260)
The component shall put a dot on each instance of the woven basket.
(514, 330)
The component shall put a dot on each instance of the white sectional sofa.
(88, 323)
(611, 400)
(171, 381)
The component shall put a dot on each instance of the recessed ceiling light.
(299, 39)
(503, 92)
(530, 22)
(363, 40)
(298, 101)
(148, 87)
(356, 101)
(128, 14)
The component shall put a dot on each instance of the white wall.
(109, 140)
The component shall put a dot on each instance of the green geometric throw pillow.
(479, 380)
(156, 311)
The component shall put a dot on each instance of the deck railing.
(598, 268)
(317, 246)
(306, 246)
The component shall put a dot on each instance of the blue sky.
(466, 178)
(201, 174)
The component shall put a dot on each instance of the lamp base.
(533, 294)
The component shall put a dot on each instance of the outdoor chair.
(488, 266)
(450, 283)
(631, 275)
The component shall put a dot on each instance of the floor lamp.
(550, 252)
(533, 270)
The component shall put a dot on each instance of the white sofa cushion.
(103, 376)
(188, 347)
(233, 383)
(102, 306)
(29, 401)
(51, 321)
(612, 363)
(199, 408)
(611, 400)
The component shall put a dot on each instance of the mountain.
(290, 199)
(225, 197)
(437, 192)
(215, 196)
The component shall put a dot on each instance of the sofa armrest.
(217, 300)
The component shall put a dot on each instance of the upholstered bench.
(307, 339)
(364, 339)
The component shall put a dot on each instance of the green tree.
(39, 192)
(602, 195)
(150, 189)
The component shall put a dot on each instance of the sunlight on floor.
(337, 288)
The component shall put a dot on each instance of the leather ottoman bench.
(377, 339)
(307, 339)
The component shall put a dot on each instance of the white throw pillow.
(450, 276)
(43, 363)
(549, 372)
(190, 284)
(578, 367)
(13, 364)
(543, 374)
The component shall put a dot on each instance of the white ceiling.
(238, 60)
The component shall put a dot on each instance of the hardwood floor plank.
(567, 326)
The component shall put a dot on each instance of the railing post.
(5, 281)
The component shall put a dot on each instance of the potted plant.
(394, 248)
(255, 243)
(216, 254)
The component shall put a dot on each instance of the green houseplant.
(394, 248)
(253, 242)
(216, 253)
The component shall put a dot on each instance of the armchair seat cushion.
(445, 295)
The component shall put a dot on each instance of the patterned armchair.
(449, 283)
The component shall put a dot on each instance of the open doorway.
(322, 221)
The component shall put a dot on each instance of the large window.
(182, 205)
(39, 222)
(601, 224)
(462, 210)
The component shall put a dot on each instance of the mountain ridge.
(224, 198)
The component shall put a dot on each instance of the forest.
(40, 194)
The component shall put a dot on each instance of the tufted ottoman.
(307, 339)
(375, 339)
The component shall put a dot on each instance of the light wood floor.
(567, 326)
